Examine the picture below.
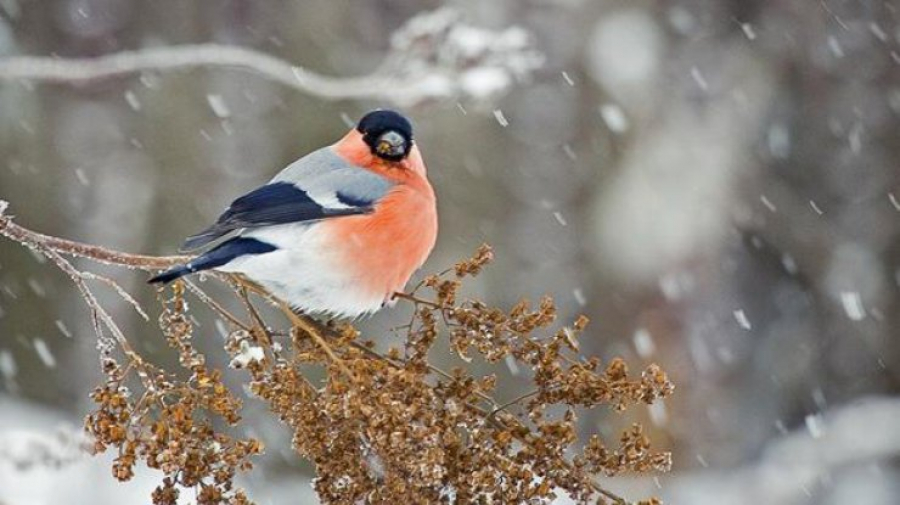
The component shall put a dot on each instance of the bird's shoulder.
(330, 179)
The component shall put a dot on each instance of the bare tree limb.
(52, 69)
(119, 290)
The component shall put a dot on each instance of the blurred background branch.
(26, 449)
(434, 56)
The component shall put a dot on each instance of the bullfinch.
(338, 231)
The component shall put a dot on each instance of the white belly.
(304, 274)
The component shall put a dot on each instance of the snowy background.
(715, 183)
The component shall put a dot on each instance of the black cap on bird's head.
(387, 133)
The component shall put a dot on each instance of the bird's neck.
(411, 170)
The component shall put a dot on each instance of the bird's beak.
(391, 144)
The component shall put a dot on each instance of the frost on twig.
(435, 56)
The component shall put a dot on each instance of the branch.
(40, 242)
(119, 290)
(433, 56)
(277, 381)
(54, 248)
(186, 57)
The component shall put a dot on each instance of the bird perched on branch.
(338, 231)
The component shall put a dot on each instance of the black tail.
(171, 274)
(215, 257)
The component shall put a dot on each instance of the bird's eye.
(384, 147)
(391, 145)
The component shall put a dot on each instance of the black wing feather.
(276, 203)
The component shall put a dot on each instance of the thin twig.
(98, 313)
(254, 314)
(206, 299)
(96, 253)
(515, 401)
(119, 290)
(418, 301)
(300, 322)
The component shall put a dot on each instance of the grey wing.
(318, 186)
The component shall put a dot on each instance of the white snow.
(248, 354)
(470, 41)
(43, 352)
(878, 32)
(485, 82)
(814, 425)
(8, 368)
(82, 177)
(816, 208)
(614, 117)
(741, 317)
(835, 47)
(132, 100)
(779, 425)
(512, 365)
(658, 413)
(789, 264)
(625, 52)
(560, 219)
(498, 115)
(643, 342)
(699, 79)
(218, 106)
(855, 138)
(779, 141)
(748, 30)
(37, 287)
(682, 19)
(853, 305)
(894, 201)
(578, 293)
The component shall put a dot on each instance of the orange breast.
(383, 249)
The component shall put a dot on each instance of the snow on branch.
(434, 56)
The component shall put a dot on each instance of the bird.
(337, 232)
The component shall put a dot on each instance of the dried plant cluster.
(381, 426)
(168, 423)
